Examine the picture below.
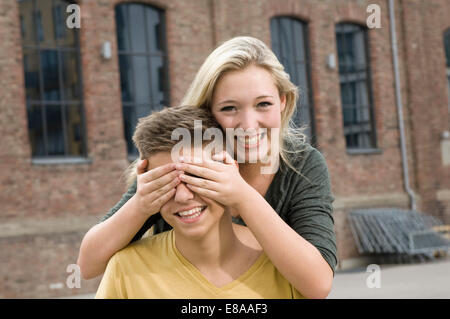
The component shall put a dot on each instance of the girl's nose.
(249, 119)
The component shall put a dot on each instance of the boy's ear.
(142, 166)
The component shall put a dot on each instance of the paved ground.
(406, 281)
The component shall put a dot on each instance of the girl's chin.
(253, 156)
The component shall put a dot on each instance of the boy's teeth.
(194, 212)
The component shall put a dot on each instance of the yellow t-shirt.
(154, 268)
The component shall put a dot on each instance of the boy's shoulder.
(246, 236)
(149, 246)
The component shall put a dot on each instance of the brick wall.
(46, 209)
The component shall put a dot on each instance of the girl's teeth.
(250, 141)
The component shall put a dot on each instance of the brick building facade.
(49, 202)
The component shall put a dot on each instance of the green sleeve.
(125, 197)
(311, 209)
(149, 222)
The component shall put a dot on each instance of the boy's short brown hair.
(153, 133)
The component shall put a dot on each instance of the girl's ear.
(282, 102)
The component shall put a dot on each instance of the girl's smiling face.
(248, 99)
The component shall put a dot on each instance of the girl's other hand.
(218, 179)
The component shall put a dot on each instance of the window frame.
(367, 78)
(447, 60)
(62, 102)
(163, 54)
(307, 65)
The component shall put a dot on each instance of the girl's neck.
(253, 175)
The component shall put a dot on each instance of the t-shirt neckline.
(194, 272)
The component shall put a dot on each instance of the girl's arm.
(296, 259)
(154, 189)
(103, 240)
(299, 261)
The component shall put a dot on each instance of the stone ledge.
(33, 226)
(371, 201)
(443, 195)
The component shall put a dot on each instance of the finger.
(199, 170)
(159, 183)
(157, 172)
(204, 192)
(200, 182)
(224, 157)
(163, 199)
(166, 188)
(229, 159)
(206, 163)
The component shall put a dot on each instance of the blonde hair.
(153, 133)
(237, 54)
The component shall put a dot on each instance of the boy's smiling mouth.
(191, 215)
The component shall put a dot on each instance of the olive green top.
(303, 201)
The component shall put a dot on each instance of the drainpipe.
(398, 96)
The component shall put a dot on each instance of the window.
(354, 78)
(289, 43)
(447, 56)
(142, 62)
(51, 59)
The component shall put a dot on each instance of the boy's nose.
(182, 193)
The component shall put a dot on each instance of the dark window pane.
(59, 21)
(129, 126)
(299, 41)
(141, 79)
(154, 29)
(157, 73)
(45, 22)
(49, 65)
(31, 69)
(447, 46)
(142, 76)
(122, 26)
(35, 130)
(65, 36)
(74, 126)
(353, 75)
(126, 78)
(286, 40)
(71, 83)
(55, 134)
(40, 27)
(142, 110)
(51, 75)
(137, 28)
(275, 36)
(27, 23)
(288, 44)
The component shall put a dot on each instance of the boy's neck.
(215, 249)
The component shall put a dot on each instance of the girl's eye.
(264, 104)
(227, 108)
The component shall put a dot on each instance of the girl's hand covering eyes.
(218, 179)
(155, 187)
